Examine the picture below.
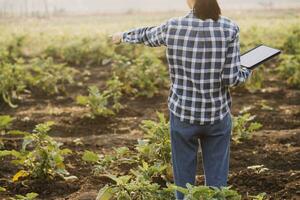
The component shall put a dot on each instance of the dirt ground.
(276, 146)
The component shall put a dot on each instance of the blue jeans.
(215, 145)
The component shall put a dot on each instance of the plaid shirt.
(204, 61)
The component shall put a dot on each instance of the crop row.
(136, 71)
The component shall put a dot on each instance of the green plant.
(130, 188)
(40, 157)
(12, 49)
(151, 153)
(206, 193)
(261, 196)
(48, 76)
(156, 145)
(104, 103)
(29, 196)
(243, 127)
(81, 51)
(142, 76)
(105, 163)
(5, 122)
(12, 82)
(289, 70)
(292, 43)
(256, 80)
(42, 74)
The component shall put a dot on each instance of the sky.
(106, 6)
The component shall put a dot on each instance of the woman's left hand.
(117, 38)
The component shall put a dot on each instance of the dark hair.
(207, 9)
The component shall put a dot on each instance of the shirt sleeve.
(233, 73)
(151, 36)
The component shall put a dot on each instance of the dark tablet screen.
(257, 56)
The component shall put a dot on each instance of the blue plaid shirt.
(204, 62)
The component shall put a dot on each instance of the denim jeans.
(215, 148)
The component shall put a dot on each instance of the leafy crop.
(40, 156)
(105, 164)
(12, 82)
(292, 43)
(156, 145)
(104, 103)
(207, 193)
(29, 196)
(11, 50)
(5, 123)
(129, 188)
(42, 74)
(243, 127)
(154, 149)
(78, 51)
(289, 70)
(256, 80)
(48, 76)
(142, 76)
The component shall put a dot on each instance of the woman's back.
(198, 52)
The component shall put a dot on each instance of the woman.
(203, 52)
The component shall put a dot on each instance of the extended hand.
(117, 38)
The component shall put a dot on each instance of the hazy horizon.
(108, 6)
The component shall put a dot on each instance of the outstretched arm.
(233, 73)
(151, 36)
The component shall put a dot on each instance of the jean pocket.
(180, 124)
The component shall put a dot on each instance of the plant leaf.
(105, 193)
(90, 156)
(20, 174)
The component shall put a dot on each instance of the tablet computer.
(258, 55)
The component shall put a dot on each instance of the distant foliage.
(289, 70)
(42, 74)
(292, 44)
(144, 75)
(12, 82)
(256, 80)
(86, 51)
(11, 51)
(48, 76)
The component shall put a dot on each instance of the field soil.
(276, 146)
